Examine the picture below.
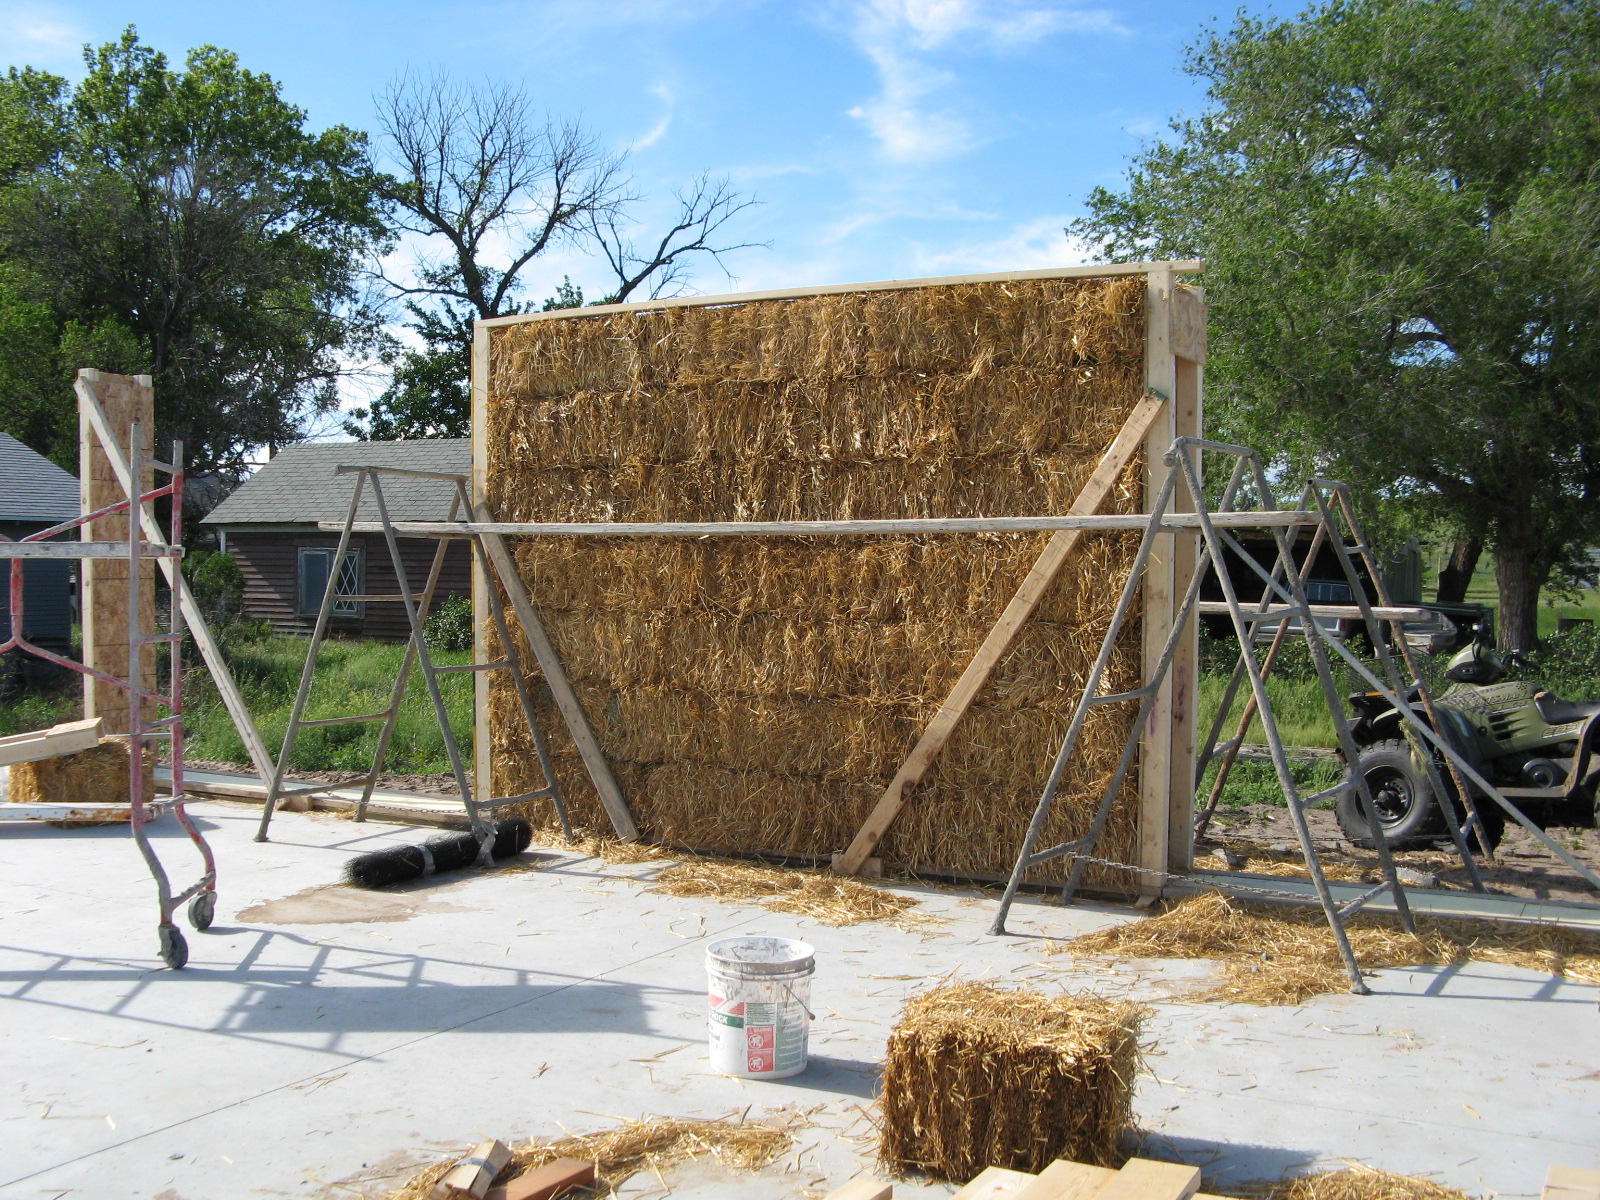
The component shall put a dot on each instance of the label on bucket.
(727, 1012)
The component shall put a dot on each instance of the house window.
(315, 564)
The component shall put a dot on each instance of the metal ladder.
(1342, 532)
(1284, 601)
(417, 655)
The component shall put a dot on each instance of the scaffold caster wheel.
(201, 909)
(174, 950)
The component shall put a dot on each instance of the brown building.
(270, 521)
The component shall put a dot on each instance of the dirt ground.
(1263, 838)
(442, 784)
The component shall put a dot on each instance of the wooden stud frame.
(1175, 339)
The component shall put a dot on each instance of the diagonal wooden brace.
(1056, 552)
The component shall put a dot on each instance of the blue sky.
(885, 138)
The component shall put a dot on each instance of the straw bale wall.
(758, 694)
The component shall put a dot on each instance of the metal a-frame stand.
(1429, 737)
(417, 654)
(143, 727)
(1285, 602)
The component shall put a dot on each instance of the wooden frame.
(1174, 360)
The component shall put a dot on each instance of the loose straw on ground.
(820, 895)
(1355, 1182)
(647, 1144)
(1286, 955)
(823, 897)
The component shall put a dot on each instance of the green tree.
(187, 225)
(1398, 202)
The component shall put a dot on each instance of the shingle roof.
(32, 488)
(299, 487)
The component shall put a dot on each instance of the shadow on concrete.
(339, 990)
(837, 1076)
(163, 828)
(1224, 1164)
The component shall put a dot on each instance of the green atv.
(1536, 749)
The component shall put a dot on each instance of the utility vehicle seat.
(1556, 711)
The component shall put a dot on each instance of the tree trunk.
(1457, 574)
(1519, 578)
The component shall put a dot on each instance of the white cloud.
(899, 35)
(1032, 245)
(659, 130)
(39, 35)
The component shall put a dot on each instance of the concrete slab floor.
(323, 1043)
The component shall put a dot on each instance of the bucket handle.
(810, 1016)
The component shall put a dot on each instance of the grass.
(352, 677)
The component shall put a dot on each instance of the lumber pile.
(977, 1075)
(756, 695)
(1139, 1179)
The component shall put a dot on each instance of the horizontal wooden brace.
(1346, 611)
(1172, 523)
(84, 550)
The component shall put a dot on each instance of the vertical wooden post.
(1174, 352)
(126, 401)
(482, 748)
(1188, 333)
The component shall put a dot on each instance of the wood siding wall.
(270, 563)
(46, 594)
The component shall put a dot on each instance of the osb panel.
(758, 694)
(105, 581)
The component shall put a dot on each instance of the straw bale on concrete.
(758, 694)
(981, 1076)
(98, 775)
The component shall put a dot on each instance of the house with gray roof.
(36, 494)
(269, 524)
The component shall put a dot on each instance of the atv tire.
(1407, 808)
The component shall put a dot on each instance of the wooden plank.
(477, 493)
(1158, 602)
(994, 1183)
(68, 738)
(1063, 1180)
(116, 460)
(1189, 325)
(1178, 523)
(1021, 606)
(1570, 1183)
(864, 1187)
(1097, 271)
(1145, 1179)
(118, 550)
(560, 690)
(87, 811)
(472, 1176)
(1188, 421)
(1346, 611)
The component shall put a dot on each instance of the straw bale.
(1277, 956)
(756, 694)
(98, 775)
(977, 1075)
(643, 1145)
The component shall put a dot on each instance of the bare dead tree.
(481, 164)
(703, 209)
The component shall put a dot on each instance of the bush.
(218, 585)
(449, 627)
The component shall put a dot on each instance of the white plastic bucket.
(760, 993)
